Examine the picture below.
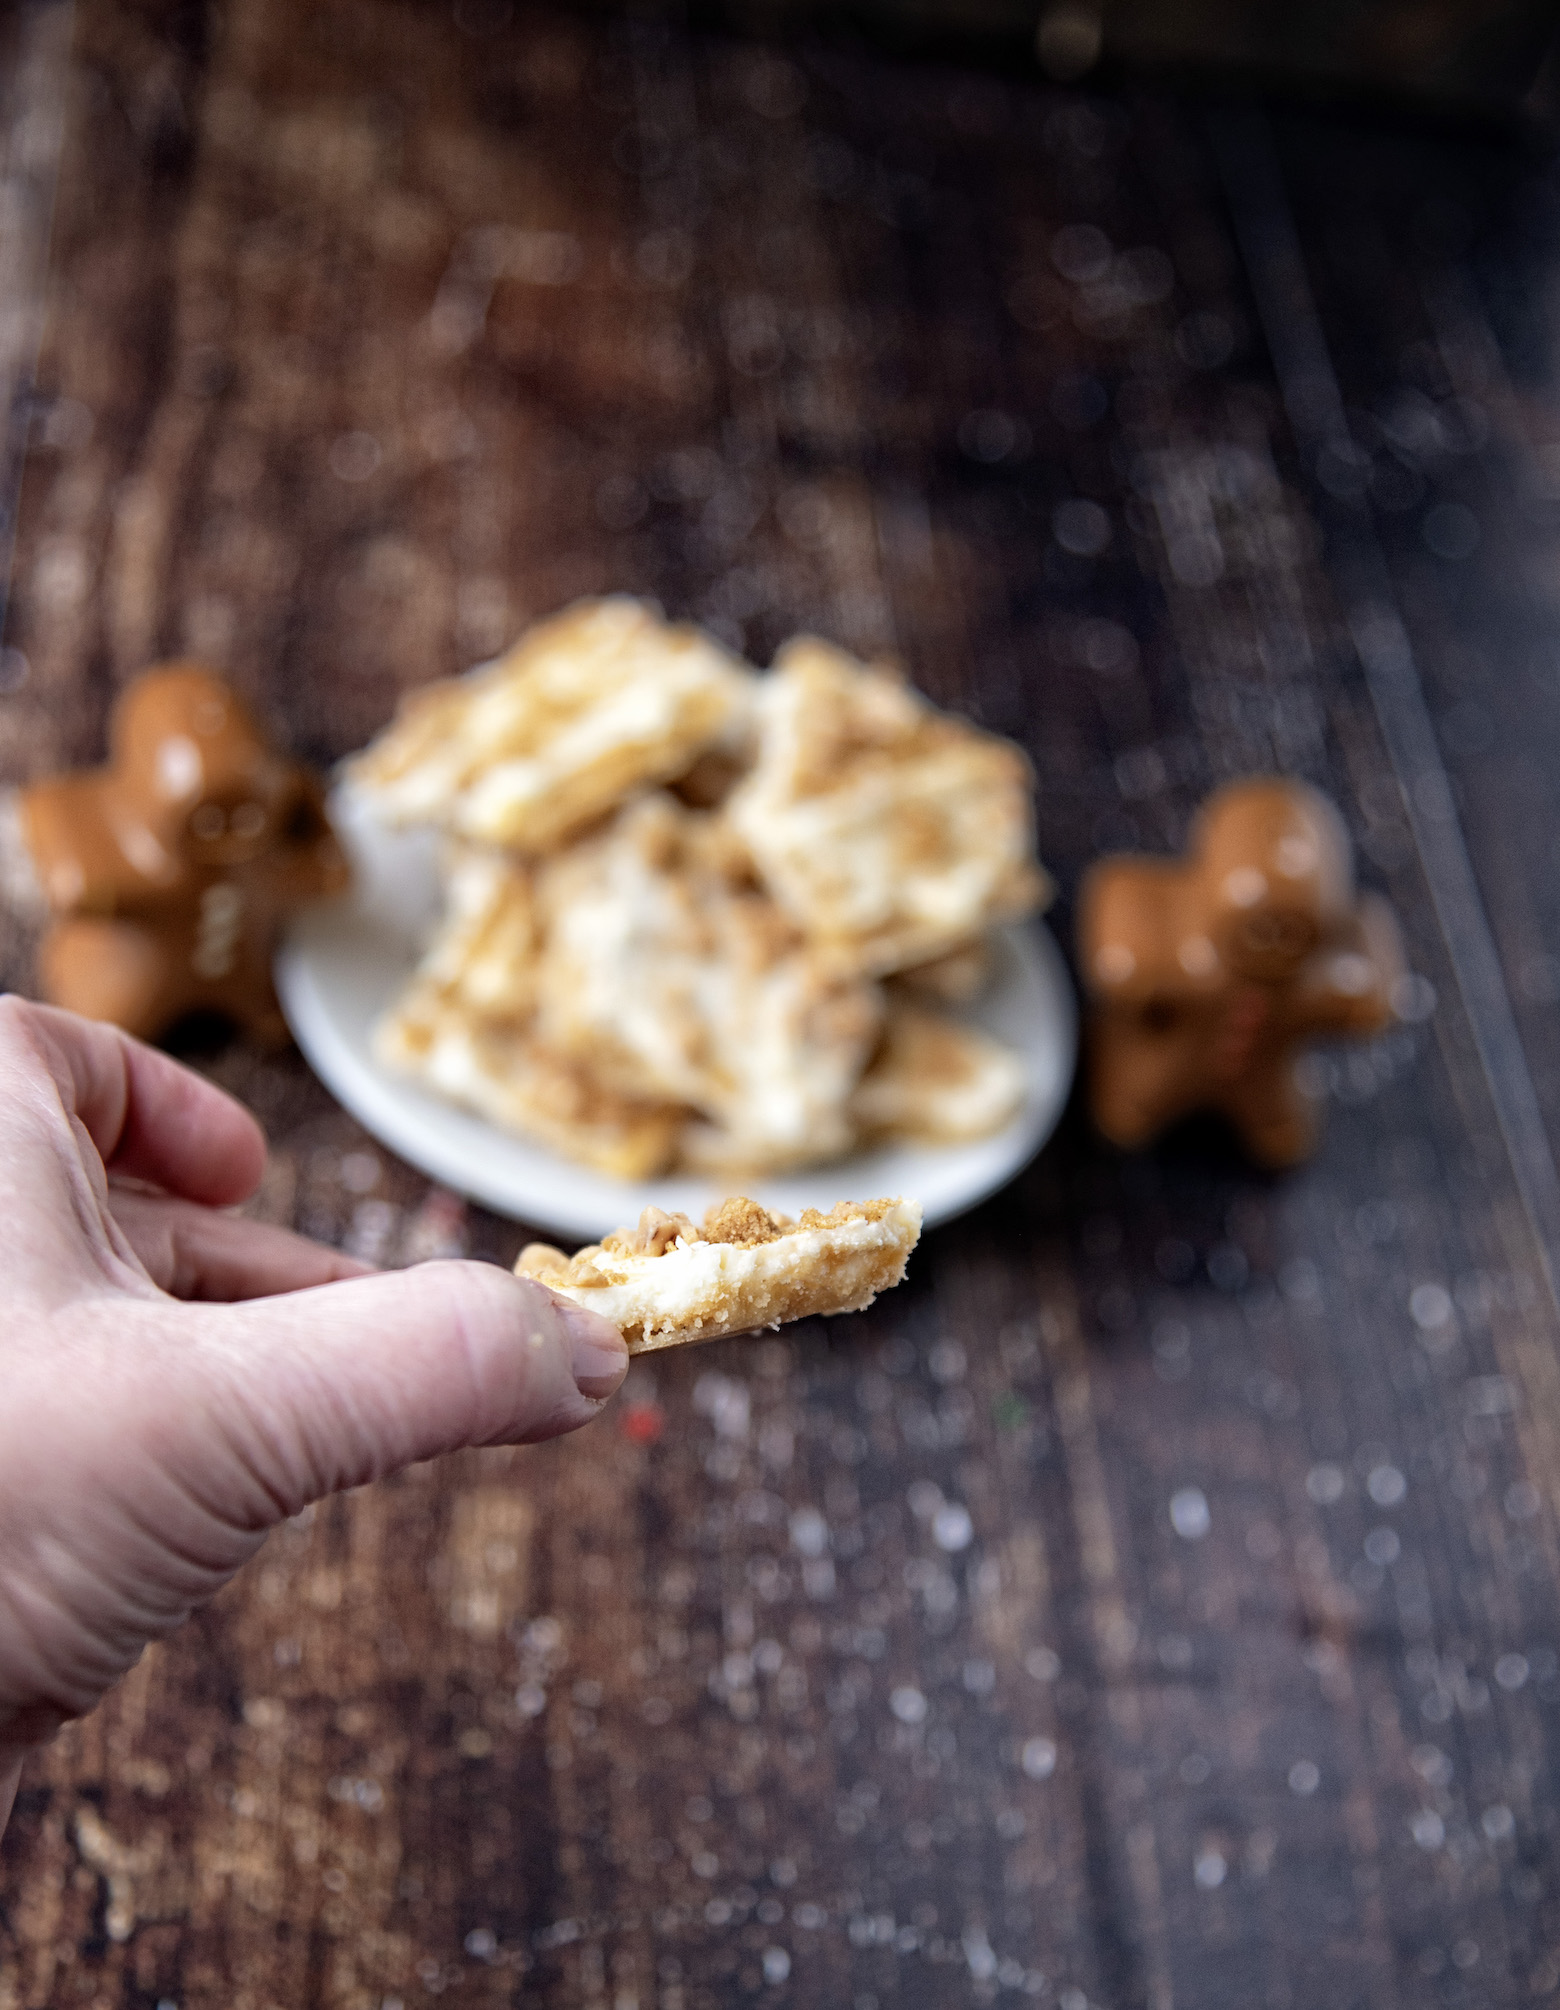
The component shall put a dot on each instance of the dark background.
(1154, 1602)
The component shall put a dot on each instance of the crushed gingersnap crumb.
(744, 1224)
(657, 1232)
(539, 1259)
(848, 1210)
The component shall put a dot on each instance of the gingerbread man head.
(192, 767)
(1276, 865)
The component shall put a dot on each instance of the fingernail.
(598, 1356)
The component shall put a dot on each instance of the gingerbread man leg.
(1277, 1121)
(250, 1002)
(114, 970)
(1139, 1071)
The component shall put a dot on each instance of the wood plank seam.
(33, 121)
(1270, 250)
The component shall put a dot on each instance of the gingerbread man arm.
(309, 864)
(1139, 937)
(1349, 986)
(81, 854)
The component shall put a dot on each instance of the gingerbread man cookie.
(1209, 976)
(171, 871)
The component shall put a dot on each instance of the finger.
(148, 1117)
(330, 1388)
(196, 1252)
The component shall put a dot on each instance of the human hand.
(147, 1443)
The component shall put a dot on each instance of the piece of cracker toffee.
(673, 977)
(667, 1283)
(483, 958)
(937, 1080)
(602, 699)
(505, 1074)
(463, 1027)
(890, 832)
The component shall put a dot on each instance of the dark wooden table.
(1155, 1602)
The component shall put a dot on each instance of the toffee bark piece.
(890, 832)
(464, 1026)
(667, 1283)
(171, 870)
(937, 1081)
(1211, 975)
(958, 977)
(602, 699)
(673, 976)
(484, 957)
(500, 1069)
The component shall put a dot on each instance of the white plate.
(342, 962)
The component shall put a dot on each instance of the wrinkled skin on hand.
(178, 1380)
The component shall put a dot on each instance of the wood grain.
(1155, 1601)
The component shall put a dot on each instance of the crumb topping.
(540, 1259)
(744, 1224)
(737, 1223)
(847, 1210)
(657, 1232)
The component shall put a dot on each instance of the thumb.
(332, 1387)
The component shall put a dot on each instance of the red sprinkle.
(643, 1423)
